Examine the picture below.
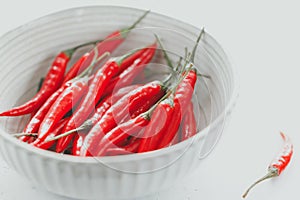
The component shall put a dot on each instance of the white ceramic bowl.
(24, 53)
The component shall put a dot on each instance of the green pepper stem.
(178, 63)
(127, 30)
(186, 52)
(81, 128)
(204, 76)
(90, 68)
(272, 173)
(71, 51)
(169, 62)
(119, 60)
(192, 57)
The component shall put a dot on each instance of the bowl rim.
(130, 157)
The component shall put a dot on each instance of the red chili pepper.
(77, 143)
(63, 142)
(185, 89)
(125, 78)
(36, 120)
(188, 124)
(52, 82)
(161, 127)
(278, 164)
(120, 133)
(93, 95)
(74, 71)
(46, 145)
(130, 146)
(28, 138)
(159, 122)
(128, 149)
(141, 103)
(117, 112)
(171, 131)
(96, 89)
(144, 106)
(56, 73)
(38, 89)
(69, 97)
(106, 103)
(182, 97)
(183, 93)
(109, 44)
(130, 60)
(115, 151)
(65, 101)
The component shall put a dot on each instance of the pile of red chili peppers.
(102, 111)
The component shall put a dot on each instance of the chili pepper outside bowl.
(24, 53)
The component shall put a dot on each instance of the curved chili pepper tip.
(284, 136)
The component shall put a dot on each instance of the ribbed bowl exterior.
(25, 50)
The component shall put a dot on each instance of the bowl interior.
(27, 52)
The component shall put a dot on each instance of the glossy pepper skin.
(119, 134)
(144, 106)
(185, 89)
(39, 116)
(161, 119)
(101, 109)
(52, 82)
(55, 75)
(188, 124)
(171, 131)
(182, 98)
(95, 90)
(101, 79)
(283, 159)
(77, 143)
(128, 74)
(109, 44)
(36, 120)
(107, 103)
(117, 113)
(76, 68)
(38, 89)
(63, 104)
(57, 130)
(98, 84)
(128, 149)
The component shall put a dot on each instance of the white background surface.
(262, 39)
